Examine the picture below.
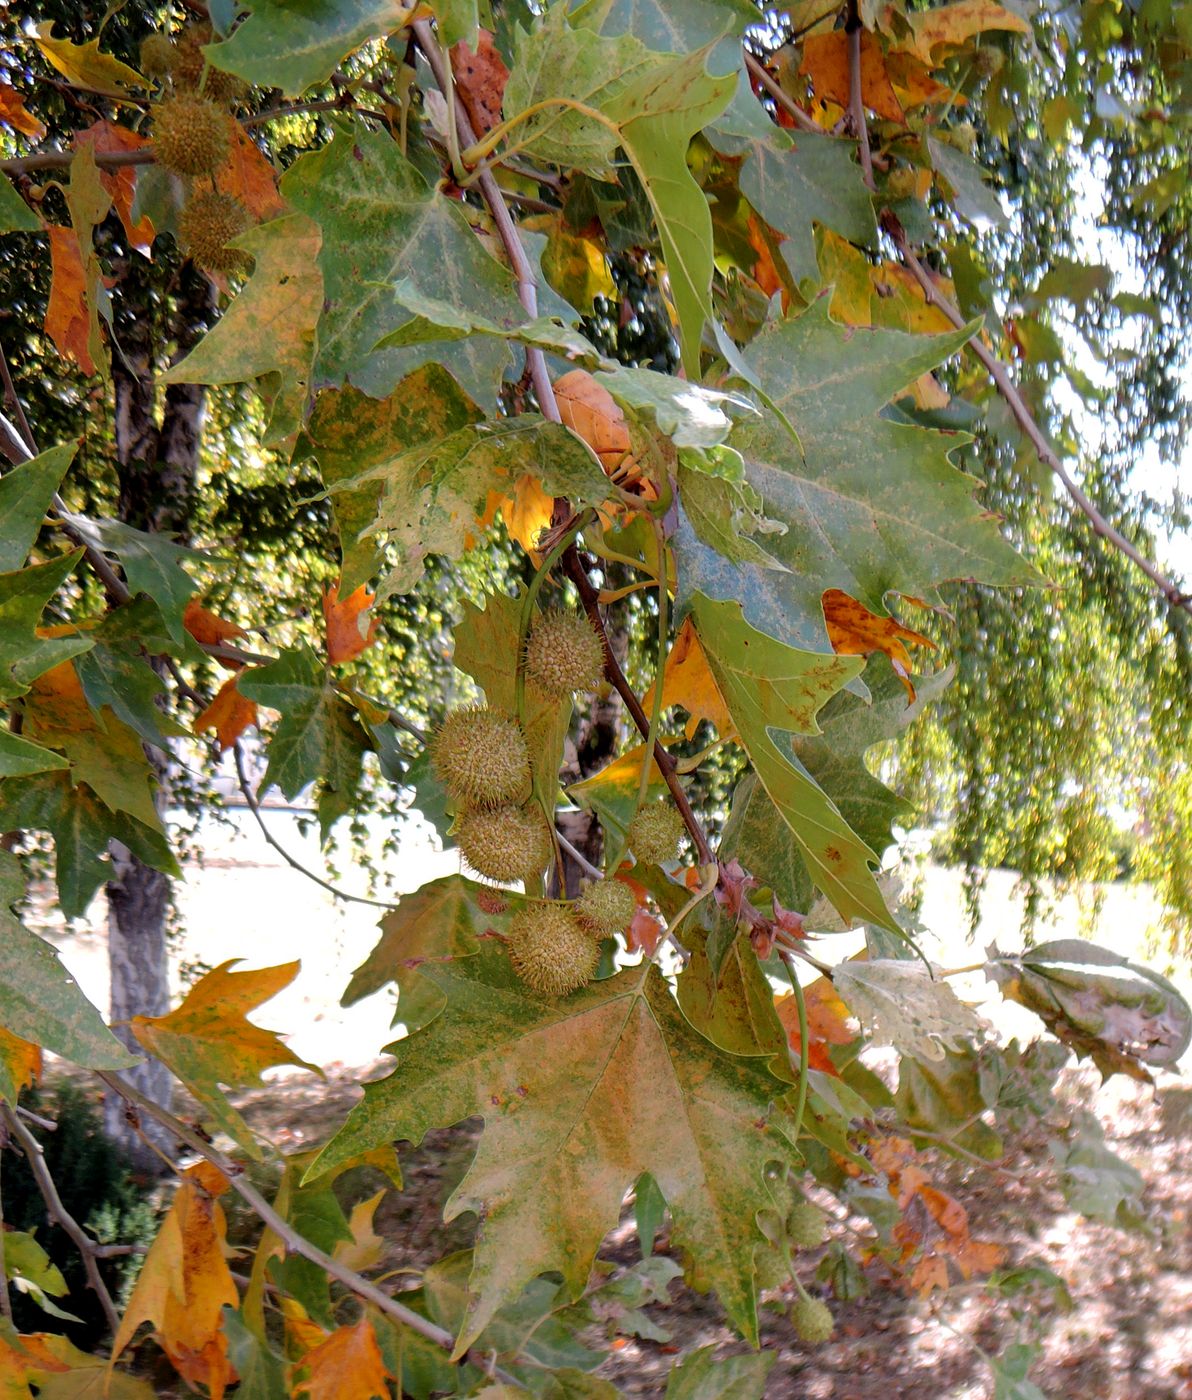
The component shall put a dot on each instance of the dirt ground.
(1128, 1336)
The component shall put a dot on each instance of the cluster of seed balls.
(192, 138)
(481, 758)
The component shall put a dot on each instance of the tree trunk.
(157, 467)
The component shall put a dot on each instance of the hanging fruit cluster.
(193, 138)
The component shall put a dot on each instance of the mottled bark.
(157, 467)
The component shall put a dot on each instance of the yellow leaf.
(208, 1041)
(854, 631)
(82, 65)
(121, 185)
(20, 1066)
(365, 1249)
(687, 681)
(300, 1330)
(185, 1283)
(347, 1366)
(527, 512)
(953, 25)
(576, 266)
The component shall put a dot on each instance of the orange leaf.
(345, 636)
(249, 177)
(209, 630)
(827, 1018)
(931, 1272)
(643, 933)
(825, 62)
(854, 631)
(229, 715)
(347, 1366)
(106, 137)
(978, 1257)
(947, 1211)
(592, 413)
(687, 681)
(184, 1284)
(915, 85)
(67, 322)
(21, 1060)
(13, 113)
(480, 79)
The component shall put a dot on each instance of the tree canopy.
(628, 435)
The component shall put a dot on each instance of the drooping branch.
(1170, 591)
(612, 669)
(523, 271)
(758, 70)
(294, 1242)
(89, 1248)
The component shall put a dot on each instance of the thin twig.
(59, 160)
(57, 1212)
(292, 861)
(1171, 592)
(527, 286)
(759, 71)
(578, 856)
(612, 670)
(856, 101)
(293, 1241)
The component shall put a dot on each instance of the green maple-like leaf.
(15, 214)
(440, 921)
(774, 692)
(705, 1375)
(25, 495)
(580, 1096)
(39, 1000)
(317, 738)
(82, 827)
(116, 672)
(433, 495)
(870, 505)
(293, 44)
(796, 180)
(351, 433)
(651, 105)
(382, 222)
(487, 645)
(19, 758)
(23, 595)
(835, 759)
(268, 332)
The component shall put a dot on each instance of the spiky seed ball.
(481, 758)
(207, 224)
(549, 950)
(157, 55)
(805, 1225)
(505, 843)
(769, 1269)
(563, 653)
(190, 135)
(812, 1320)
(988, 60)
(655, 832)
(605, 907)
(188, 59)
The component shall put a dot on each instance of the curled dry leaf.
(480, 78)
(1106, 1008)
(592, 413)
(107, 137)
(14, 114)
(854, 631)
(228, 715)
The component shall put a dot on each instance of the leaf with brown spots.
(480, 78)
(854, 631)
(581, 1095)
(185, 1284)
(208, 1041)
